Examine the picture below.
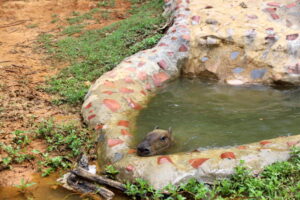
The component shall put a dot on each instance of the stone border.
(114, 101)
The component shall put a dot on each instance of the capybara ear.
(170, 130)
(156, 127)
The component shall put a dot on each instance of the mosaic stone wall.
(239, 43)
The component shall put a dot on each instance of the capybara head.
(155, 142)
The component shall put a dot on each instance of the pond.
(209, 115)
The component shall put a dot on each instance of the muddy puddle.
(46, 189)
(206, 115)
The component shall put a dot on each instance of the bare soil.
(23, 70)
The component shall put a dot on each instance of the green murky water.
(207, 115)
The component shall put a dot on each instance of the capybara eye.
(163, 138)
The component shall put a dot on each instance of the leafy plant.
(24, 185)
(20, 138)
(111, 171)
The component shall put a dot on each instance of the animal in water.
(155, 142)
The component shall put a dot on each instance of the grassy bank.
(279, 181)
(93, 52)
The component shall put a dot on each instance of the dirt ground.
(23, 69)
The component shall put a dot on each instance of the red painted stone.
(164, 159)
(196, 19)
(183, 26)
(143, 92)
(154, 51)
(229, 155)
(186, 37)
(197, 162)
(131, 151)
(91, 117)
(128, 79)
(242, 147)
(88, 106)
(142, 76)
(114, 142)
(130, 168)
(128, 61)
(292, 36)
(132, 69)
(125, 132)
(133, 104)
(271, 37)
(124, 123)
(252, 16)
(113, 105)
(274, 4)
(109, 84)
(182, 48)
(208, 7)
(173, 38)
(292, 143)
(91, 111)
(160, 78)
(126, 90)
(291, 5)
(275, 16)
(111, 74)
(265, 142)
(163, 45)
(270, 29)
(162, 64)
(271, 10)
(148, 86)
(174, 30)
(99, 126)
(170, 53)
(108, 92)
(141, 64)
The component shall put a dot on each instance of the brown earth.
(23, 69)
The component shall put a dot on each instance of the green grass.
(65, 142)
(97, 51)
(279, 181)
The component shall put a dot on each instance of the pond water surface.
(208, 115)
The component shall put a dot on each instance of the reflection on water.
(44, 189)
(206, 115)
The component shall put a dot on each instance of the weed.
(21, 138)
(105, 14)
(78, 18)
(70, 30)
(280, 180)
(111, 172)
(67, 140)
(14, 155)
(32, 25)
(24, 185)
(106, 3)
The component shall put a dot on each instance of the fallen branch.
(86, 187)
(80, 172)
(13, 24)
